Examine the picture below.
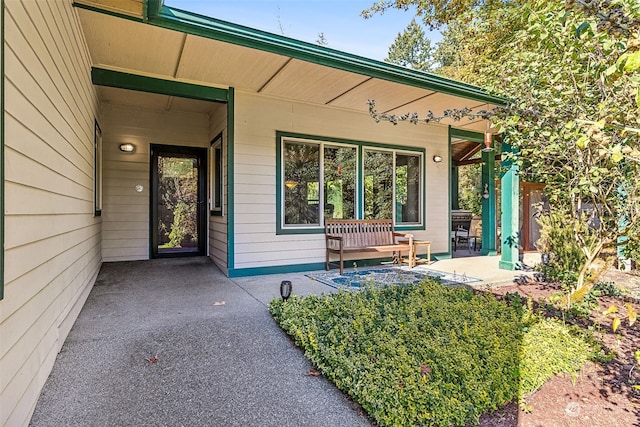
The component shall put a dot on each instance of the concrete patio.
(175, 342)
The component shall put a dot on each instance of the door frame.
(202, 218)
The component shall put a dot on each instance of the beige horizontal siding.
(218, 235)
(125, 212)
(52, 240)
(258, 119)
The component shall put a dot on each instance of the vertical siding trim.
(2, 150)
(449, 183)
(230, 180)
(279, 179)
(360, 183)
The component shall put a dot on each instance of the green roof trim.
(106, 12)
(469, 135)
(119, 79)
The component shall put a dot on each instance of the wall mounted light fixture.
(437, 158)
(127, 148)
(485, 193)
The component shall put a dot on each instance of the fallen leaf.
(313, 373)
(425, 369)
(218, 303)
(154, 359)
(615, 324)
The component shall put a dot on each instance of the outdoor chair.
(475, 233)
(471, 236)
(461, 236)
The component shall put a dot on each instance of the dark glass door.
(178, 202)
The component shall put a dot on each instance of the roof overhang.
(163, 46)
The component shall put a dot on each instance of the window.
(97, 170)
(216, 175)
(378, 184)
(407, 186)
(339, 182)
(304, 169)
(392, 184)
(320, 179)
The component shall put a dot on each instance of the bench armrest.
(404, 236)
(333, 240)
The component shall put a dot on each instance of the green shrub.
(424, 354)
(550, 348)
(608, 289)
(558, 241)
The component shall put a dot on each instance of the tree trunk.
(580, 291)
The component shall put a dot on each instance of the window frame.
(216, 176)
(360, 147)
(394, 155)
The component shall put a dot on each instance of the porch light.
(488, 139)
(485, 193)
(437, 158)
(127, 148)
(290, 184)
(285, 289)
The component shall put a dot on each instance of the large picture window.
(329, 179)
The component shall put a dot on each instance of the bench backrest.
(360, 233)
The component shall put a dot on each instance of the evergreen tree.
(411, 49)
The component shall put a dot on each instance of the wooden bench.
(364, 235)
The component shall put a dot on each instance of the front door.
(178, 201)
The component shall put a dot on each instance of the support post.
(488, 204)
(510, 202)
(454, 187)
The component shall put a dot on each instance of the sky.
(340, 21)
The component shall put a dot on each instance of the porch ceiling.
(463, 150)
(135, 46)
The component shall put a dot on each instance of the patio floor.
(175, 342)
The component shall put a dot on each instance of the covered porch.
(246, 100)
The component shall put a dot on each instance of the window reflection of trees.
(339, 182)
(407, 188)
(301, 183)
(379, 180)
(392, 183)
(378, 185)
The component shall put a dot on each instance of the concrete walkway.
(217, 365)
(221, 358)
